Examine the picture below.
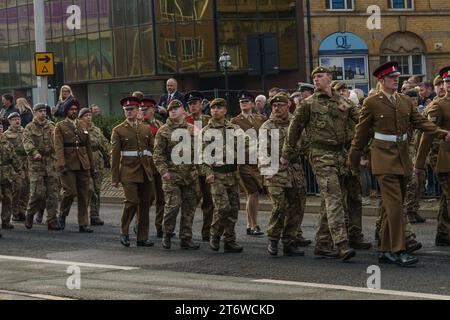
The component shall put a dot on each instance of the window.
(339, 4)
(401, 4)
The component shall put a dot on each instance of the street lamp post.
(225, 63)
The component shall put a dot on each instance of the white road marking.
(69, 263)
(417, 295)
(32, 295)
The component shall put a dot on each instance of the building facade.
(346, 38)
(122, 46)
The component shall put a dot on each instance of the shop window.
(340, 4)
(401, 4)
(409, 65)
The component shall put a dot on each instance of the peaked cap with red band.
(130, 103)
(445, 73)
(147, 103)
(388, 69)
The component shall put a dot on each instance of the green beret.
(39, 106)
(338, 85)
(219, 102)
(320, 70)
(174, 104)
(437, 81)
(279, 97)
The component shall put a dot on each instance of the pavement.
(38, 264)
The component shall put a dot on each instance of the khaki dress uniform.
(75, 161)
(131, 152)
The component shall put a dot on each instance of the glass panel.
(24, 30)
(4, 67)
(118, 13)
(338, 4)
(398, 4)
(145, 11)
(105, 17)
(107, 54)
(227, 6)
(70, 59)
(14, 66)
(147, 54)
(82, 59)
(167, 48)
(134, 52)
(120, 53)
(56, 18)
(3, 27)
(65, 4)
(92, 14)
(131, 13)
(94, 56)
(13, 34)
(25, 65)
(205, 47)
(82, 5)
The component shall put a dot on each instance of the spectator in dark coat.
(65, 97)
(25, 111)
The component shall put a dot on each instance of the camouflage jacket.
(15, 137)
(10, 163)
(287, 176)
(38, 139)
(215, 127)
(326, 120)
(100, 146)
(184, 174)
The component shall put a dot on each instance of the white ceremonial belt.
(391, 137)
(136, 153)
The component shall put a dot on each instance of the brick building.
(413, 32)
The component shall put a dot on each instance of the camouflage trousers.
(225, 194)
(179, 196)
(205, 197)
(300, 186)
(353, 207)
(95, 186)
(21, 190)
(443, 226)
(44, 190)
(159, 198)
(285, 217)
(331, 226)
(7, 201)
(413, 192)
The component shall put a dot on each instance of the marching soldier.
(352, 183)
(194, 101)
(21, 185)
(439, 113)
(75, 163)
(223, 178)
(10, 167)
(101, 149)
(44, 181)
(324, 115)
(131, 149)
(148, 108)
(283, 187)
(390, 116)
(178, 179)
(248, 173)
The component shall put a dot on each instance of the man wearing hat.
(223, 178)
(439, 113)
(194, 101)
(342, 89)
(306, 89)
(21, 183)
(148, 108)
(248, 172)
(285, 187)
(39, 145)
(325, 116)
(178, 180)
(101, 149)
(390, 116)
(131, 150)
(75, 164)
(10, 171)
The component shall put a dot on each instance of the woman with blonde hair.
(25, 111)
(65, 97)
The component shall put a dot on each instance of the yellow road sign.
(44, 62)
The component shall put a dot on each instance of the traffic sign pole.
(40, 38)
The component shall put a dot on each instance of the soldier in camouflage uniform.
(352, 183)
(224, 181)
(10, 170)
(282, 185)
(21, 185)
(178, 179)
(325, 115)
(44, 180)
(101, 149)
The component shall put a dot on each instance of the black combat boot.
(97, 221)
(291, 250)
(62, 222)
(85, 229)
(125, 240)
(188, 244)
(412, 245)
(29, 221)
(166, 243)
(326, 250)
(214, 243)
(272, 247)
(359, 244)
(345, 252)
(232, 247)
(145, 243)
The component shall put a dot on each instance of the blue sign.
(343, 43)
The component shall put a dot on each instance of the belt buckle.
(399, 138)
(140, 154)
